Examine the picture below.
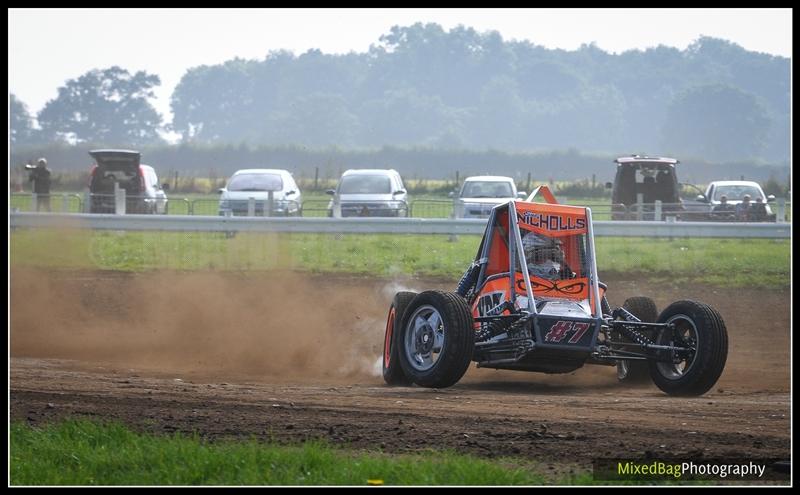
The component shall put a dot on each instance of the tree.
(21, 123)
(108, 107)
(717, 122)
(423, 85)
(317, 120)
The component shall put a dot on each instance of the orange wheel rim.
(388, 340)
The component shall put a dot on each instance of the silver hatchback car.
(369, 193)
(481, 193)
(260, 184)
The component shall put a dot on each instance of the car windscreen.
(736, 192)
(365, 184)
(488, 189)
(255, 182)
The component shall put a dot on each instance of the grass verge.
(762, 263)
(79, 452)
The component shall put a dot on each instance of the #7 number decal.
(561, 329)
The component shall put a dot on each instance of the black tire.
(454, 329)
(704, 368)
(392, 370)
(636, 371)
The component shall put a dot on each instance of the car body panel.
(127, 160)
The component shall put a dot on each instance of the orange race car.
(531, 301)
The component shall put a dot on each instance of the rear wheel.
(700, 328)
(436, 339)
(392, 371)
(637, 371)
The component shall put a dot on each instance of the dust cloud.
(275, 325)
(289, 327)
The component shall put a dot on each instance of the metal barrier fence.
(250, 207)
(432, 208)
(380, 225)
(419, 208)
(62, 202)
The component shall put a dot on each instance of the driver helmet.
(544, 255)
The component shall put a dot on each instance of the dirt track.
(290, 357)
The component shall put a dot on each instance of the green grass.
(721, 262)
(79, 452)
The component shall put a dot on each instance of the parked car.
(369, 193)
(734, 191)
(143, 194)
(654, 178)
(260, 184)
(479, 194)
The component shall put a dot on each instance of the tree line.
(426, 87)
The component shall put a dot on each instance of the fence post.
(251, 206)
(316, 178)
(87, 205)
(119, 199)
(34, 203)
(781, 216)
(65, 203)
(670, 219)
(453, 237)
(639, 205)
(270, 202)
(658, 211)
(528, 184)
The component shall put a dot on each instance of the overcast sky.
(46, 47)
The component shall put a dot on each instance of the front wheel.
(392, 371)
(436, 339)
(699, 328)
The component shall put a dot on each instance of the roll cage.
(501, 251)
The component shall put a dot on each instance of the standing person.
(743, 209)
(758, 212)
(40, 176)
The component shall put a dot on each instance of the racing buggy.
(531, 301)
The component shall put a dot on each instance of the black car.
(143, 194)
(652, 177)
